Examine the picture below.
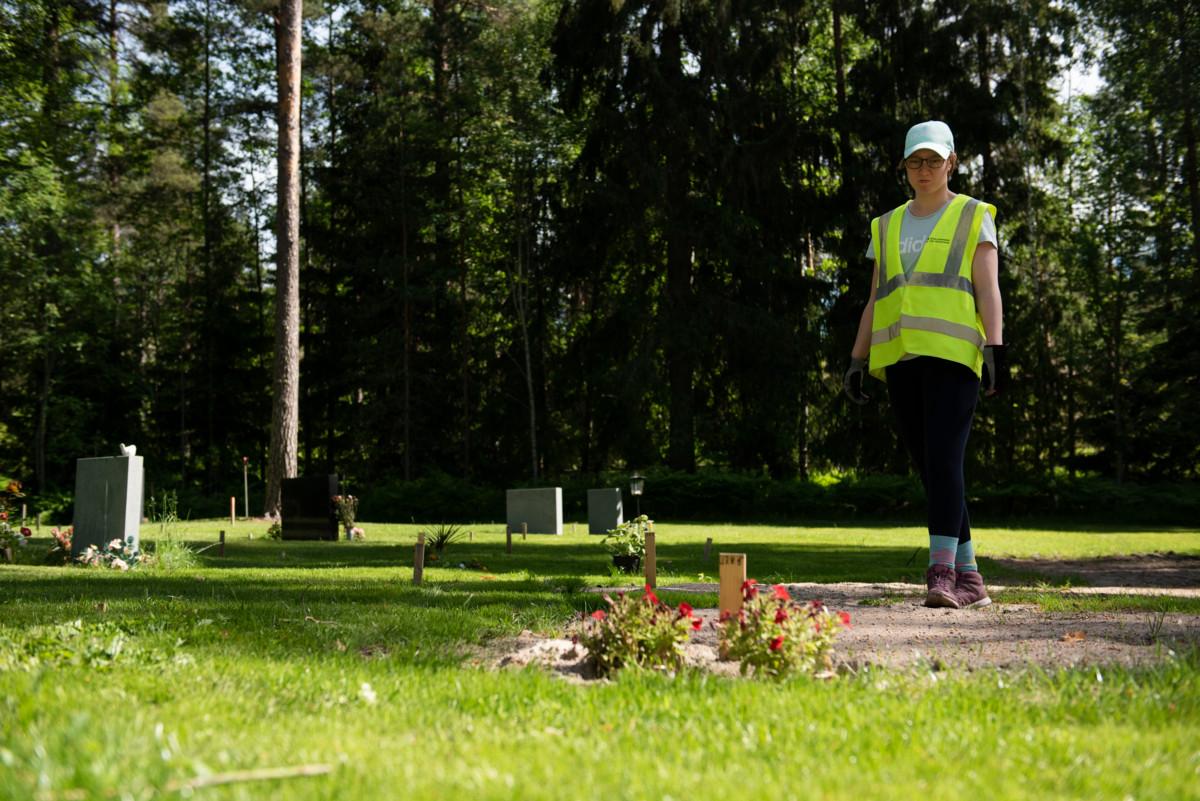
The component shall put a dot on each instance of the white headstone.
(540, 509)
(108, 501)
(604, 510)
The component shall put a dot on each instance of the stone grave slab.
(604, 510)
(541, 509)
(108, 501)
(307, 508)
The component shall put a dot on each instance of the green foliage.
(776, 637)
(443, 534)
(629, 538)
(637, 632)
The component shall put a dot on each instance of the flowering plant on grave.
(118, 555)
(60, 546)
(10, 535)
(357, 534)
(640, 632)
(346, 507)
(775, 636)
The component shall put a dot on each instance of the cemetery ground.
(316, 670)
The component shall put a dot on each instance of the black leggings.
(934, 401)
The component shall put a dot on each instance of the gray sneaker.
(969, 590)
(939, 583)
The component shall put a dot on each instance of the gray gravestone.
(307, 508)
(108, 501)
(540, 509)
(604, 510)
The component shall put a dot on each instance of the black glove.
(852, 383)
(995, 370)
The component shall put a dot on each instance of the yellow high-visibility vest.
(932, 311)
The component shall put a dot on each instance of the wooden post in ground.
(729, 600)
(707, 549)
(419, 559)
(651, 560)
(524, 530)
(232, 509)
(24, 512)
(733, 576)
(221, 546)
(508, 539)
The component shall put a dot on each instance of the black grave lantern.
(637, 484)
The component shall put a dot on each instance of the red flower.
(845, 618)
(816, 604)
(685, 609)
(781, 592)
(599, 615)
(3, 515)
(777, 643)
(725, 615)
(697, 623)
(650, 597)
(781, 615)
(25, 532)
(749, 590)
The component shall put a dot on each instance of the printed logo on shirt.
(913, 244)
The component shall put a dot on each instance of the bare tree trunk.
(520, 294)
(285, 412)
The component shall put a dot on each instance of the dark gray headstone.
(604, 510)
(307, 509)
(539, 509)
(108, 501)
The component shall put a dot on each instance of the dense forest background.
(544, 239)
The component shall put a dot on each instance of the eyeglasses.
(916, 162)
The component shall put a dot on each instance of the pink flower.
(781, 592)
(845, 618)
(599, 615)
(777, 643)
(685, 609)
(3, 515)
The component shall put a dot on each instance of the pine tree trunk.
(285, 414)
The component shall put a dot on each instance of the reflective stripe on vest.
(934, 324)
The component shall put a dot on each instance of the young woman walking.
(932, 330)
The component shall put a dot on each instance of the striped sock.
(942, 550)
(964, 559)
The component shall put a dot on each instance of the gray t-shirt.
(914, 231)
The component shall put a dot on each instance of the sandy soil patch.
(890, 628)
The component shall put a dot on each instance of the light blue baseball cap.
(929, 135)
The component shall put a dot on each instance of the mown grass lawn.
(289, 653)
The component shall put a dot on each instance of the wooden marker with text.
(733, 576)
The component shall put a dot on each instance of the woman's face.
(928, 172)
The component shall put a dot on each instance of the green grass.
(260, 659)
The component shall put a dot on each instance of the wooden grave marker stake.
(524, 530)
(707, 548)
(232, 509)
(221, 546)
(419, 559)
(733, 576)
(651, 565)
(23, 514)
(508, 539)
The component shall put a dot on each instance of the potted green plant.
(627, 544)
